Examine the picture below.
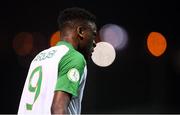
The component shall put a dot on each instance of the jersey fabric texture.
(59, 68)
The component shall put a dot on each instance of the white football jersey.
(59, 68)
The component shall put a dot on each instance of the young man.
(57, 75)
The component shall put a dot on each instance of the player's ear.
(80, 32)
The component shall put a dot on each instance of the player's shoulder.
(75, 56)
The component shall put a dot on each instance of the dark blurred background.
(136, 82)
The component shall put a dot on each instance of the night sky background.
(136, 82)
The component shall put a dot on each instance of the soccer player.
(57, 76)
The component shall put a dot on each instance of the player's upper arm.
(60, 103)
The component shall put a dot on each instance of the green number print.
(35, 89)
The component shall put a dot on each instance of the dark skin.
(82, 38)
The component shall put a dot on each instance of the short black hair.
(74, 13)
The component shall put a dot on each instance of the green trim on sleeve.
(71, 68)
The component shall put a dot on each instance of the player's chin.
(91, 51)
(89, 55)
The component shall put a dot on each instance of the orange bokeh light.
(55, 38)
(23, 43)
(156, 44)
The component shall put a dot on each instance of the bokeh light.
(156, 43)
(26, 45)
(23, 43)
(104, 54)
(55, 38)
(115, 35)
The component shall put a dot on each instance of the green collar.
(65, 43)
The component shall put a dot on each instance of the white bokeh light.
(104, 54)
(115, 35)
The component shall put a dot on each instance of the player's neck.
(71, 41)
